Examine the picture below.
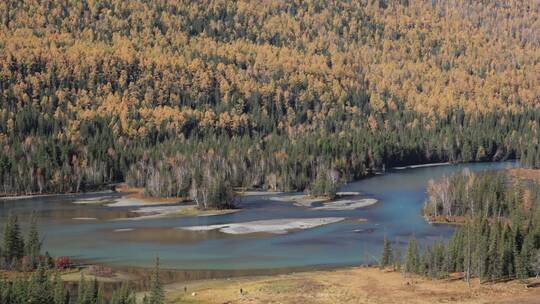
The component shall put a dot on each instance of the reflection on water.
(70, 229)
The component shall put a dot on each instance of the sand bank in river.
(161, 211)
(277, 226)
(135, 202)
(421, 166)
(31, 196)
(176, 211)
(125, 201)
(302, 200)
(257, 193)
(149, 208)
(95, 200)
(347, 193)
(124, 230)
(347, 204)
(352, 202)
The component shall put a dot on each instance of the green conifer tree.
(396, 256)
(123, 295)
(60, 294)
(424, 262)
(386, 258)
(412, 260)
(521, 268)
(82, 291)
(33, 244)
(13, 241)
(528, 253)
(157, 295)
(39, 287)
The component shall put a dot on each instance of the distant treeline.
(500, 235)
(205, 166)
(194, 98)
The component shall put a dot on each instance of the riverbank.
(421, 166)
(145, 206)
(342, 202)
(445, 220)
(350, 285)
(37, 195)
(139, 194)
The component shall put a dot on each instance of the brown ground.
(527, 174)
(75, 276)
(139, 193)
(352, 285)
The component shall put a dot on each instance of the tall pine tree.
(157, 295)
(33, 245)
(13, 241)
(386, 258)
(412, 260)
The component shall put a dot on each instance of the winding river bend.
(107, 235)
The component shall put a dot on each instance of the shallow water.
(126, 242)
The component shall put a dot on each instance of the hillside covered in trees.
(192, 98)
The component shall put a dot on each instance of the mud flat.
(277, 226)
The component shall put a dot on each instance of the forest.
(38, 278)
(195, 99)
(498, 237)
(198, 99)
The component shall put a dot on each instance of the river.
(105, 235)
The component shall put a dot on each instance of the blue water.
(401, 194)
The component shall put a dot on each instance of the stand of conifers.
(37, 278)
(498, 236)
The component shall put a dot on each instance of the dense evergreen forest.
(45, 286)
(500, 233)
(193, 99)
(37, 278)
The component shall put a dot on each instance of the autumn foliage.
(93, 92)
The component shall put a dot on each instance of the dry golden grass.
(139, 194)
(353, 285)
(527, 174)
